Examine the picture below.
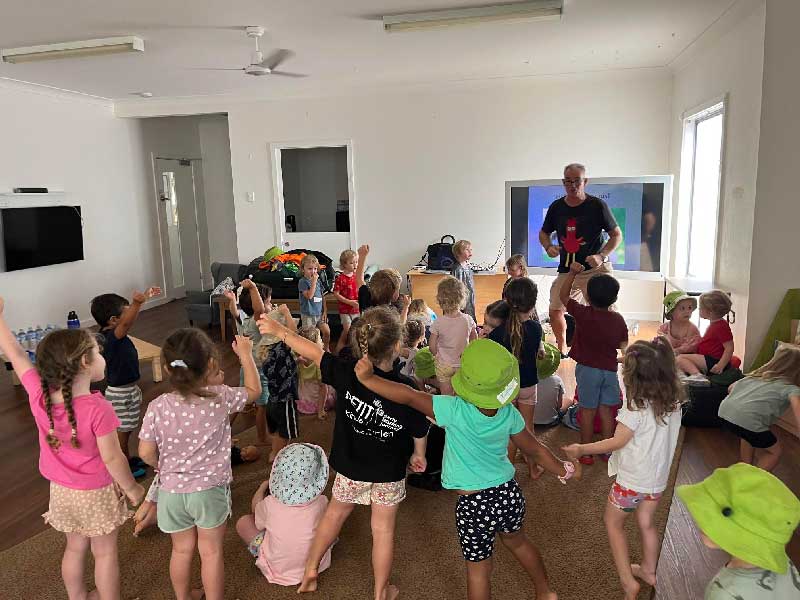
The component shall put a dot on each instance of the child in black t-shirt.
(373, 439)
(115, 316)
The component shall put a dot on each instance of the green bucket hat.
(423, 364)
(747, 512)
(489, 375)
(549, 364)
(672, 300)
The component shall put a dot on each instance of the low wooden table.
(147, 353)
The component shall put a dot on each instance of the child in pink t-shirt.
(451, 332)
(79, 452)
(285, 512)
(186, 435)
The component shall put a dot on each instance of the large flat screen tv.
(39, 236)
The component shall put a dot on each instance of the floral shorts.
(628, 500)
(90, 513)
(363, 492)
(256, 542)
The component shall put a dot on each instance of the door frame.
(169, 289)
(279, 214)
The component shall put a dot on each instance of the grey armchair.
(199, 309)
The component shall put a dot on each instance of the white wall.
(729, 63)
(215, 151)
(775, 265)
(430, 162)
(73, 143)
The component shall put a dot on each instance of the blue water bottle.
(72, 320)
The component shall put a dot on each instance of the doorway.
(314, 196)
(182, 225)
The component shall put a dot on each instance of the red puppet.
(571, 242)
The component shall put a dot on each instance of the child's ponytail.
(52, 440)
(376, 333)
(520, 294)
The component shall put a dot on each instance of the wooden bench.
(147, 353)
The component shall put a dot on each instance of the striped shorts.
(127, 403)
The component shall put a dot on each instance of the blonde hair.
(308, 259)
(346, 256)
(451, 294)
(651, 377)
(418, 307)
(784, 364)
(375, 334)
(58, 361)
(717, 302)
(517, 260)
(195, 357)
(460, 246)
(384, 285)
(311, 334)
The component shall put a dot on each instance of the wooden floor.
(684, 568)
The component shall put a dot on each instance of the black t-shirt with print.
(371, 436)
(579, 228)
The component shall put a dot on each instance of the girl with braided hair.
(79, 452)
(374, 441)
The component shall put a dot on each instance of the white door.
(314, 197)
(178, 227)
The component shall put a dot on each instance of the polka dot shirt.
(193, 437)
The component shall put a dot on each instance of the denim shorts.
(206, 509)
(596, 387)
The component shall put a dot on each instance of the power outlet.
(251, 197)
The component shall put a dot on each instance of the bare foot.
(197, 594)
(535, 470)
(547, 596)
(309, 583)
(646, 576)
(631, 589)
(391, 592)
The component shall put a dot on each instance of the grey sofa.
(199, 309)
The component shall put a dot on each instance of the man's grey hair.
(575, 166)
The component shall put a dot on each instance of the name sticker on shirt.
(317, 299)
(509, 390)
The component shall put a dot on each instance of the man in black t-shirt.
(578, 220)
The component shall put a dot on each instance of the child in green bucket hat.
(750, 514)
(480, 421)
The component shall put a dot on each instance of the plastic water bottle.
(72, 320)
(39, 333)
(30, 336)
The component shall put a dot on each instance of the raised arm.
(305, 348)
(363, 252)
(405, 302)
(11, 348)
(243, 347)
(255, 298)
(129, 316)
(565, 293)
(392, 391)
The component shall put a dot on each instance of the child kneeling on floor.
(479, 422)
(285, 512)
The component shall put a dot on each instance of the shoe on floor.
(586, 460)
(135, 461)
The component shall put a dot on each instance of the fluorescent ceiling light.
(79, 49)
(539, 10)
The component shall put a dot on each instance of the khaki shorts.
(579, 289)
(445, 372)
(348, 319)
(349, 491)
(527, 395)
(90, 513)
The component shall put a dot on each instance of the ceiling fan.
(258, 64)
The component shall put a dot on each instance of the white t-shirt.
(643, 463)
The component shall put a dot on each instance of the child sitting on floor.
(285, 512)
(451, 332)
(313, 396)
(186, 436)
(715, 349)
(756, 402)
(479, 423)
(599, 333)
(679, 330)
(643, 446)
(751, 515)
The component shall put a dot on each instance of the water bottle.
(39, 333)
(72, 320)
(20, 335)
(29, 339)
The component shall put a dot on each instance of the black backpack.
(440, 254)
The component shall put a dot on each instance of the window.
(698, 200)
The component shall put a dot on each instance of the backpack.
(440, 254)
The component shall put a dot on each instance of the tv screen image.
(39, 236)
(639, 205)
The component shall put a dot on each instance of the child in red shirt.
(346, 291)
(715, 350)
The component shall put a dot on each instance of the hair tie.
(634, 352)
(178, 363)
(74, 432)
(51, 431)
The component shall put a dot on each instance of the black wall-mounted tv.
(42, 235)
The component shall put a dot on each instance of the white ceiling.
(338, 43)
